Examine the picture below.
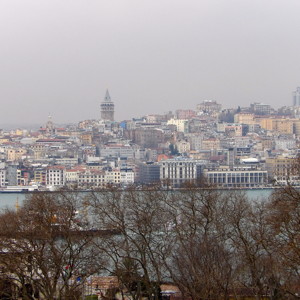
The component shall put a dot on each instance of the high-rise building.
(296, 97)
(107, 108)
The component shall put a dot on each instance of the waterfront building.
(177, 171)
(107, 108)
(283, 170)
(72, 175)
(235, 177)
(40, 176)
(56, 176)
(149, 173)
(113, 176)
(126, 176)
(91, 178)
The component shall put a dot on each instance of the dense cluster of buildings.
(253, 146)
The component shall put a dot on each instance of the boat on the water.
(19, 189)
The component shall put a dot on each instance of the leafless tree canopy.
(211, 244)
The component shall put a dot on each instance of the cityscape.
(149, 150)
(242, 147)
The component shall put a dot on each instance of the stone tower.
(107, 108)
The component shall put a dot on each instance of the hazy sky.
(58, 57)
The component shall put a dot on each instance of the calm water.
(11, 200)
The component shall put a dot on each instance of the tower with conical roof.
(107, 108)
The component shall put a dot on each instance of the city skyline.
(59, 58)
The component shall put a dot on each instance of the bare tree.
(136, 254)
(47, 248)
(201, 262)
(284, 221)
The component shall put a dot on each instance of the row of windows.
(55, 182)
(92, 180)
(236, 174)
(91, 176)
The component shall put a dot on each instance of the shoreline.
(28, 191)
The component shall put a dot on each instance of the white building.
(113, 177)
(126, 176)
(236, 177)
(117, 150)
(181, 125)
(56, 176)
(179, 170)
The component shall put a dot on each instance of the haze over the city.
(59, 57)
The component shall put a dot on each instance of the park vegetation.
(211, 244)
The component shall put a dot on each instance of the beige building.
(5, 139)
(211, 144)
(283, 169)
(72, 175)
(244, 118)
(280, 125)
(15, 154)
(86, 138)
(93, 178)
(38, 150)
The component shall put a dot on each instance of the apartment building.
(90, 177)
(283, 169)
(56, 176)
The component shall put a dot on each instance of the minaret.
(107, 108)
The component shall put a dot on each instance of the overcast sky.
(58, 57)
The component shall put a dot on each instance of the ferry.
(19, 189)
